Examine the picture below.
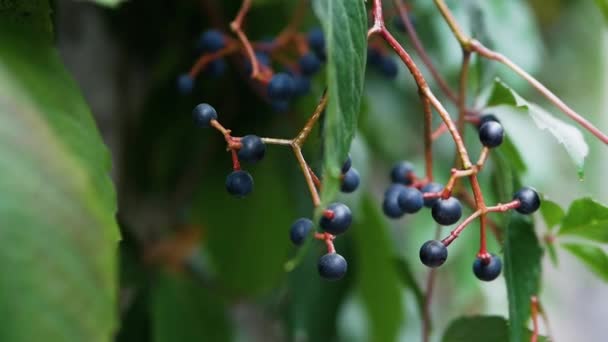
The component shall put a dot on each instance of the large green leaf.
(603, 5)
(482, 329)
(586, 218)
(344, 23)
(378, 281)
(522, 272)
(569, 136)
(593, 257)
(552, 213)
(108, 3)
(57, 202)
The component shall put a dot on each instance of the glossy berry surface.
(487, 118)
(400, 173)
(316, 40)
(332, 266)
(239, 183)
(489, 271)
(203, 114)
(300, 230)
(390, 204)
(336, 218)
(447, 211)
(309, 64)
(211, 41)
(185, 84)
(410, 200)
(347, 165)
(350, 181)
(491, 134)
(281, 87)
(389, 67)
(431, 188)
(252, 149)
(433, 253)
(529, 200)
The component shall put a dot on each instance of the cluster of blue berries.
(210, 41)
(382, 62)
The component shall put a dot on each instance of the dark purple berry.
(281, 87)
(336, 218)
(390, 205)
(486, 118)
(215, 68)
(529, 201)
(410, 200)
(185, 84)
(487, 271)
(316, 41)
(332, 266)
(431, 188)
(239, 183)
(263, 59)
(347, 165)
(374, 57)
(309, 64)
(388, 67)
(211, 41)
(447, 211)
(350, 181)
(401, 173)
(491, 134)
(433, 253)
(252, 149)
(300, 230)
(203, 114)
(301, 85)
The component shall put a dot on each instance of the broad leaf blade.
(344, 23)
(58, 203)
(108, 3)
(522, 272)
(588, 219)
(482, 329)
(552, 213)
(593, 257)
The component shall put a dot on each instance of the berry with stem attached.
(487, 270)
(203, 114)
(252, 149)
(390, 205)
(487, 118)
(281, 87)
(336, 218)
(350, 181)
(309, 64)
(433, 253)
(491, 134)
(431, 188)
(529, 200)
(401, 173)
(332, 266)
(211, 41)
(447, 211)
(300, 230)
(239, 183)
(410, 200)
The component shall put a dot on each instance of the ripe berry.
(211, 41)
(447, 211)
(239, 183)
(300, 230)
(263, 60)
(491, 134)
(529, 201)
(489, 271)
(433, 253)
(347, 165)
(309, 64)
(350, 181)
(332, 266)
(316, 41)
(431, 188)
(281, 87)
(252, 149)
(336, 218)
(389, 67)
(301, 85)
(185, 84)
(203, 114)
(374, 57)
(486, 118)
(390, 205)
(215, 68)
(410, 200)
(400, 173)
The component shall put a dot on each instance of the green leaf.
(588, 219)
(569, 136)
(482, 329)
(510, 151)
(551, 250)
(108, 3)
(378, 281)
(593, 257)
(344, 23)
(407, 278)
(552, 213)
(603, 5)
(58, 204)
(182, 310)
(522, 272)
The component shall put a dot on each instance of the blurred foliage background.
(199, 265)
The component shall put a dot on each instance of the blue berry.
(263, 59)
(447, 211)
(388, 67)
(252, 149)
(280, 106)
(239, 183)
(215, 68)
(347, 165)
(433, 253)
(316, 41)
(350, 181)
(374, 57)
(390, 205)
(487, 271)
(301, 85)
(332, 266)
(487, 117)
(336, 218)
(211, 41)
(401, 172)
(203, 114)
(300, 230)
(431, 188)
(491, 134)
(281, 87)
(529, 201)
(309, 64)
(410, 200)
(185, 84)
